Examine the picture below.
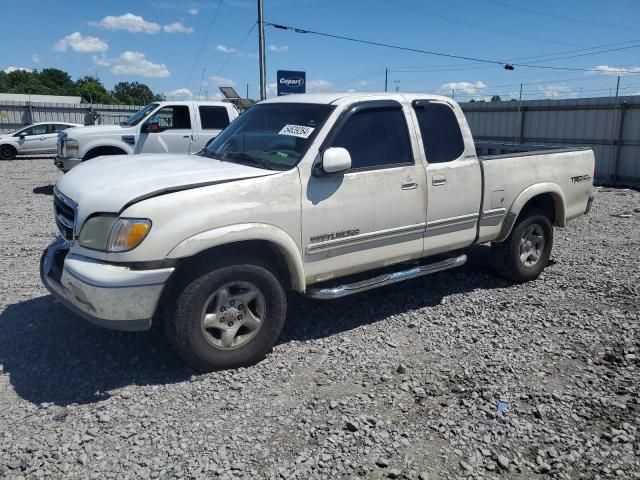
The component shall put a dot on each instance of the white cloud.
(363, 83)
(16, 69)
(180, 92)
(133, 63)
(80, 44)
(318, 84)
(35, 58)
(462, 87)
(129, 22)
(225, 49)
(177, 27)
(193, 11)
(279, 49)
(221, 81)
(551, 91)
(607, 70)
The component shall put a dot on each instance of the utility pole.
(386, 78)
(247, 92)
(520, 99)
(263, 68)
(618, 86)
(453, 93)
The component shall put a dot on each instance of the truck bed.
(566, 172)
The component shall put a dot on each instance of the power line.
(543, 60)
(559, 17)
(426, 52)
(235, 50)
(204, 41)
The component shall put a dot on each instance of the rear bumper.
(105, 294)
(66, 163)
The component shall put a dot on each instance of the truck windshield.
(274, 136)
(139, 115)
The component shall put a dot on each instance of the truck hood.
(75, 132)
(108, 184)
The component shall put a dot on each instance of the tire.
(7, 152)
(203, 317)
(521, 257)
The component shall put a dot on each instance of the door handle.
(409, 184)
(438, 180)
(186, 136)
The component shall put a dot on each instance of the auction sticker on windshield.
(296, 131)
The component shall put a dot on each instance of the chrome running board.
(330, 293)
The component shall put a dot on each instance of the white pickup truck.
(160, 127)
(322, 194)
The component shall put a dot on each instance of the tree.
(52, 81)
(57, 82)
(92, 91)
(496, 98)
(134, 93)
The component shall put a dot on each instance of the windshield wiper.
(242, 157)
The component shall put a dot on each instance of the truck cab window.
(214, 118)
(440, 131)
(376, 138)
(174, 117)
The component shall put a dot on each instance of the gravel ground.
(458, 374)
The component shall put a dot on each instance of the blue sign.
(291, 82)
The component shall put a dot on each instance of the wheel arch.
(121, 148)
(546, 196)
(261, 239)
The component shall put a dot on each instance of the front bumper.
(66, 163)
(107, 295)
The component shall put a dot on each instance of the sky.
(190, 48)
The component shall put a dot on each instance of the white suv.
(38, 138)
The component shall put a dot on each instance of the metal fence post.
(618, 141)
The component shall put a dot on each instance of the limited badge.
(296, 131)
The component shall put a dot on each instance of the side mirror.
(334, 160)
(22, 136)
(153, 125)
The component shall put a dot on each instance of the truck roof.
(194, 102)
(329, 98)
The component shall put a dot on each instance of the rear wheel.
(7, 152)
(526, 252)
(226, 318)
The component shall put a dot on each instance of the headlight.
(71, 147)
(112, 234)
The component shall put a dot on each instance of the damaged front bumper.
(106, 294)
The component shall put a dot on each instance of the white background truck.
(160, 127)
(322, 194)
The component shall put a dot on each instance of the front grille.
(65, 212)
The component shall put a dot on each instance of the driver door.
(175, 134)
(375, 213)
(34, 140)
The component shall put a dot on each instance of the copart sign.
(291, 82)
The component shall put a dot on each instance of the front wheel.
(7, 152)
(229, 317)
(526, 251)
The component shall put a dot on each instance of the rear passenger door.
(454, 180)
(175, 134)
(373, 214)
(213, 119)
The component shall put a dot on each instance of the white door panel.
(373, 215)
